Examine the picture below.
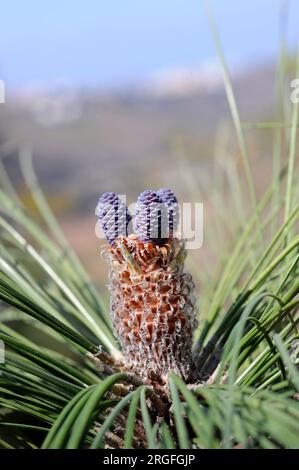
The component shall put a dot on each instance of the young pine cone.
(151, 303)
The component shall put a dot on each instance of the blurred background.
(123, 96)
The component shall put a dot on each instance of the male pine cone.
(152, 306)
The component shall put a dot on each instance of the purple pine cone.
(169, 199)
(113, 215)
(148, 216)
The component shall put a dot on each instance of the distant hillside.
(88, 140)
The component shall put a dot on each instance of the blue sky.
(115, 42)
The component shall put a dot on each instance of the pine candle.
(151, 299)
